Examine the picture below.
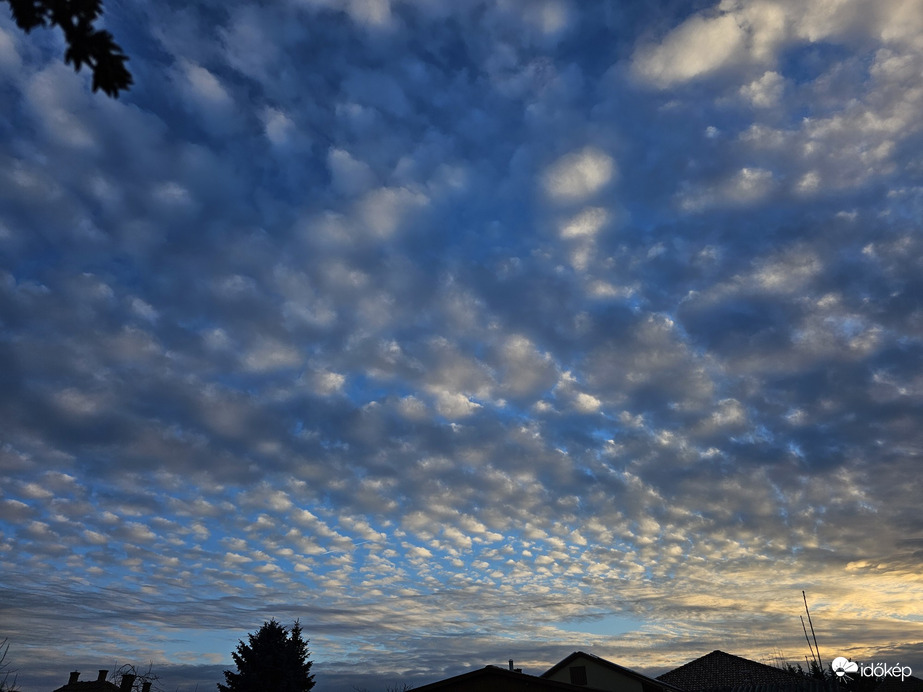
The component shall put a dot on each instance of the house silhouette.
(100, 684)
(724, 672)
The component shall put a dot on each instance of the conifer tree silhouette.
(275, 659)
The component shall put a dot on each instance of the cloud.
(370, 13)
(697, 47)
(349, 176)
(454, 405)
(10, 61)
(586, 224)
(389, 315)
(55, 100)
(766, 91)
(576, 176)
(382, 211)
(746, 186)
(271, 355)
(279, 127)
(203, 86)
(206, 97)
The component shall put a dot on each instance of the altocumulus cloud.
(457, 329)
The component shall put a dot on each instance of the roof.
(88, 686)
(74, 684)
(647, 683)
(908, 684)
(492, 677)
(801, 685)
(723, 671)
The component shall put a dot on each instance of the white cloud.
(457, 537)
(144, 310)
(576, 176)
(95, 538)
(234, 560)
(540, 21)
(856, 142)
(768, 24)
(350, 176)
(138, 532)
(327, 383)
(381, 212)
(900, 21)
(525, 369)
(79, 403)
(203, 86)
(370, 13)
(729, 412)
(766, 91)
(787, 271)
(413, 408)
(10, 62)
(550, 16)
(808, 183)
(586, 403)
(697, 47)
(454, 405)
(747, 186)
(585, 224)
(217, 339)
(206, 96)
(35, 491)
(271, 354)
(278, 127)
(173, 195)
(739, 34)
(248, 42)
(61, 107)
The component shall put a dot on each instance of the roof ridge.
(720, 669)
(612, 665)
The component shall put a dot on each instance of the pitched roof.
(492, 677)
(89, 686)
(722, 671)
(909, 684)
(74, 684)
(647, 684)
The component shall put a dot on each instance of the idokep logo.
(842, 666)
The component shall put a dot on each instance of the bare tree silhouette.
(139, 678)
(5, 670)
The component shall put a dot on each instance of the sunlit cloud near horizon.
(463, 332)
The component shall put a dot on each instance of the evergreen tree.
(275, 660)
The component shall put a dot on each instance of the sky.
(463, 331)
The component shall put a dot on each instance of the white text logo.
(843, 666)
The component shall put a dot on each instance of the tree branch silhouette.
(86, 45)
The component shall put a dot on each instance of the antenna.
(813, 657)
(820, 663)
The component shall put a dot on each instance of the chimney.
(127, 681)
(146, 687)
(102, 675)
(73, 677)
